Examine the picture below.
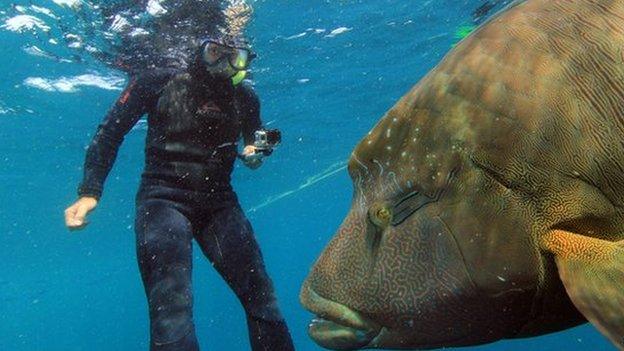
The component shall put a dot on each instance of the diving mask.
(214, 51)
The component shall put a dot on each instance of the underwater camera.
(266, 140)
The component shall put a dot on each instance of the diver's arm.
(250, 110)
(251, 122)
(138, 98)
(102, 150)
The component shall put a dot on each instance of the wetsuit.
(194, 125)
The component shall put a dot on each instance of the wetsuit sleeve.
(133, 103)
(250, 115)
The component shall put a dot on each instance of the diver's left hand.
(252, 158)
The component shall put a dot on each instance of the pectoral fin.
(592, 271)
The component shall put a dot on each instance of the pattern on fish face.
(520, 128)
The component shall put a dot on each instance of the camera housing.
(265, 140)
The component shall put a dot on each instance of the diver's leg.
(228, 241)
(164, 252)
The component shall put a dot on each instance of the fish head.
(404, 268)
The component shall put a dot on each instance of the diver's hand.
(75, 215)
(251, 158)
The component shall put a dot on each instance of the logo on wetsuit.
(208, 108)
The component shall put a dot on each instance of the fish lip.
(333, 315)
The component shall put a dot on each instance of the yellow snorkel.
(241, 61)
(238, 77)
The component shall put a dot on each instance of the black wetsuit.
(194, 124)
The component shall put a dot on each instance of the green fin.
(592, 271)
(462, 32)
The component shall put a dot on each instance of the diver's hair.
(170, 39)
(237, 16)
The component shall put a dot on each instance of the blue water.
(81, 291)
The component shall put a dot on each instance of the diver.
(196, 117)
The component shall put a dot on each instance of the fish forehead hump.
(538, 85)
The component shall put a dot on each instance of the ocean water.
(81, 290)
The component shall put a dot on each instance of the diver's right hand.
(75, 215)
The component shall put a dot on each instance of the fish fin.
(592, 271)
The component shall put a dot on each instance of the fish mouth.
(337, 326)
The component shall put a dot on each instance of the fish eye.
(380, 215)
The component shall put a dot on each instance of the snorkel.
(238, 77)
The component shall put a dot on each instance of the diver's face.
(224, 61)
(221, 70)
